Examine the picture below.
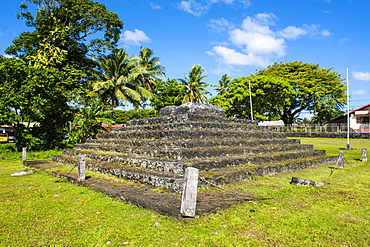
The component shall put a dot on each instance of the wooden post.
(341, 159)
(364, 154)
(24, 155)
(189, 195)
(81, 167)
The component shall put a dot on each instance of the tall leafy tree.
(54, 61)
(116, 82)
(315, 89)
(193, 88)
(268, 97)
(31, 94)
(66, 32)
(283, 91)
(167, 93)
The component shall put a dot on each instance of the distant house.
(114, 126)
(111, 127)
(278, 123)
(358, 119)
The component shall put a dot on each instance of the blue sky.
(236, 37)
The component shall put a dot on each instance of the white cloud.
(193, 7)
(220, 25)
(232, 57)
(313, 30)
(359, 92)
(361, 76)
(136, 37)
(257, 42)
(222, 1)
(254, 42)
(260, 23)
(199, 7)
(342, 41)
(222, 71)
(256, 38)
(292, 32)
(245, 3)
(222, 43)
(155, 6)
(325, 33)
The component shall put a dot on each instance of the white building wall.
(352, 122)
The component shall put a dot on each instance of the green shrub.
(7, 147)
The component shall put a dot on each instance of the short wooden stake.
(81, 167)
(341, 159)
(364, 154)
(24, 155)
(189, 195)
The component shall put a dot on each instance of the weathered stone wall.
(328, 135)
(192, 108)
(183, 118)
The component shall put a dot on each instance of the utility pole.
(250, 99)
(348, 120)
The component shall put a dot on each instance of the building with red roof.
(358, 119)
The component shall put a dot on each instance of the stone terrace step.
(192, 153)
(193, 134)
(181, 118)
(193, 143)
(152, 163)
(216, 162)
(191, 126)
(169, 181)
(242, 173)
(178, 166)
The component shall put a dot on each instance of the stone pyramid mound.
(157, 151)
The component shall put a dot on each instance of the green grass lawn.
(40, 210)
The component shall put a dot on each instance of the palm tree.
(193, 86)
(148, 68)
(224, 84)
(118, 82)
